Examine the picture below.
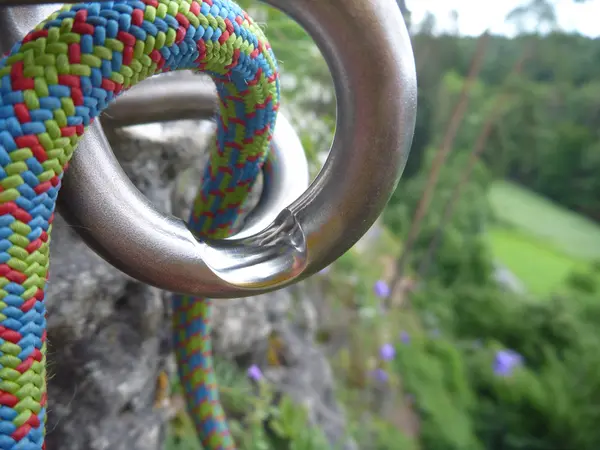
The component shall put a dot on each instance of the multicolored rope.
(53, 84)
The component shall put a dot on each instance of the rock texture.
(109, 334)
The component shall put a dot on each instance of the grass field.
(539, 241)
(540, 267)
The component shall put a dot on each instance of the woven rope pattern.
(53, 84)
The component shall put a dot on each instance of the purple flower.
(387, 352)
(254, 373)
(380, 375)
(506, 361)
(382, 290)
(405, 337)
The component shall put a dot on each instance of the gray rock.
(306, 376)
(109, 335)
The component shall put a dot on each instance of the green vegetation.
(255, 420)
(535, 262)
(569, 232)
(538, 240)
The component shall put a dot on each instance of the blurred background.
(467, 318)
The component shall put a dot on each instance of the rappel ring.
(368, 51)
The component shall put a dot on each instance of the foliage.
(257, 421)
(546, 140)
(458, 260)
(547, 404)
(535, 262)
(548, 133)
(432, 371)
(537, 216)
(528, 227)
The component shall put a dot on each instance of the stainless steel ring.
(179, 96)
(367, 48)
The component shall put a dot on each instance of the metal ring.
(367, 48)
(172, 96)
(179, 96)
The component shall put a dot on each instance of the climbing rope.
(53, 84)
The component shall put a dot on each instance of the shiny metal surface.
(367, 48)
(182, 95)
(123, 227)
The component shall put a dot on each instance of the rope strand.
(53, 84)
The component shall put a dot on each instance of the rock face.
(109, 335)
